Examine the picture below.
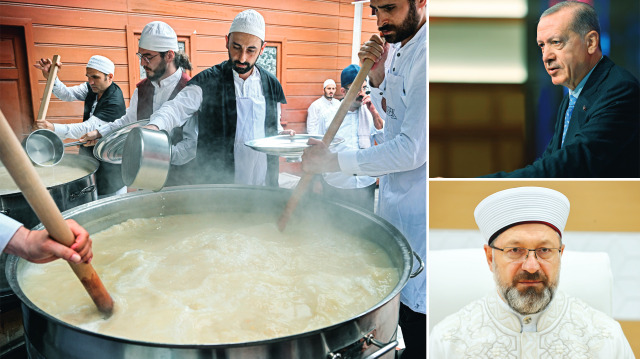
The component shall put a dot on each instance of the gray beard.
(529, 302)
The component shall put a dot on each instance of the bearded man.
(165, 66)
(527, 317)
(321, 105)
(236, 101)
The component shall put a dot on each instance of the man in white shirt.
(319, 106)
(236, 101)
(37, 247)
(357, 130)
(527, 317)
(165, 66)
(400, 91)
(103, 103)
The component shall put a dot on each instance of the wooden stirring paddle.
(46, 96)
(26, 177)
(328, 137)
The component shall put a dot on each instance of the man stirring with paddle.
(400, 90)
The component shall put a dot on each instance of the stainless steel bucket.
(371, 333)
(146, 159)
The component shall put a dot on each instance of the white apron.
(250, 165)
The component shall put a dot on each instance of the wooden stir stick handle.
(351, 95)
(46, 97)
(27, 179)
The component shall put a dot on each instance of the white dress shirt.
(176, 112)
(8, 227)
(75, 93)
(182, 152)
(315, 112)
(401, 154)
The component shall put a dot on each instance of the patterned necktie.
(567, 117)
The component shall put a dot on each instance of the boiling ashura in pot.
(50, 176)
(217, 278)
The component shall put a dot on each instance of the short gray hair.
(585, 18)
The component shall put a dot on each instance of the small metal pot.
(146, 159)
(45, 148)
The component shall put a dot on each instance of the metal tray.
(110, 147)
(289, 147)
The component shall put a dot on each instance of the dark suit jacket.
(603, 139)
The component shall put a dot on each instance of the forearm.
(76, 130)
(176, 112)
(75, 93)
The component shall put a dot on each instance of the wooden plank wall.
(316, 37)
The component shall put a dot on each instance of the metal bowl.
(146, 159)
(289, 147)
(44, 147)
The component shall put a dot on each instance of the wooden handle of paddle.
(26, 177)
(351, 95)
(46, 97)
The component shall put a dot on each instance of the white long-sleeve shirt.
(75, 93)
(176, 112)
(8, 227)
(401, 154)
(182, 152)
(315, 112)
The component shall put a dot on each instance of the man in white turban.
(319, 106)
(527, 317)
(236, 101)
(103, 103)
(164, 66)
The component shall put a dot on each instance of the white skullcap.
(521, 205)
(158, 36)
(250, 22)
(327, 83)
(101, 64)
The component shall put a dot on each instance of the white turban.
(327, 83)
(521, 205)
(158, 36)
(250, 22)
(101, 64)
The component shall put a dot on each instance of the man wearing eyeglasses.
(165, 66)
(103, 103)
(357, 130)
(527, 317)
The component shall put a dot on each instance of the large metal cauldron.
(66, 195)
(369, 334)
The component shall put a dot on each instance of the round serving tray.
(110, 147)
(287, 146)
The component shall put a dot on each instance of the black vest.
(109, 108)
(217, 120)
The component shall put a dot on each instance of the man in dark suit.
(598, 125)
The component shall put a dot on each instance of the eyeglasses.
(146, 58)
(519, 253)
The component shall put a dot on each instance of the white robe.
(567, 328)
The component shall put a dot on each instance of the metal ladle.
(45, 148)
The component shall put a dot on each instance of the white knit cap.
(101, 64)
(522, 205)
(158, 36)
(250, 22)
(327, 83)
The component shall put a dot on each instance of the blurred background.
(603, 218)
(492, 106)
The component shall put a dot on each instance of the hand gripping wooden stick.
(26, 177)
(328, 137)
(44, 105)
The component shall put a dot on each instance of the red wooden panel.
(114, 5)
(312, 76)
(81, 55)
(312, 62)
(74, 36)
